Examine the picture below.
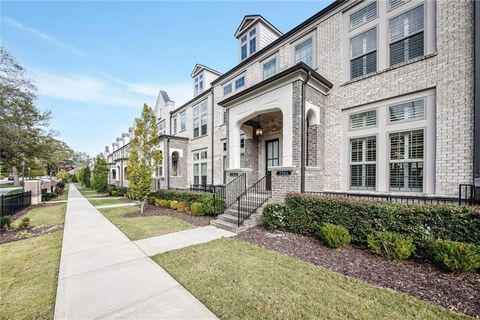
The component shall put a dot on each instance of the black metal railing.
(218, 192)
(468, 194)
(252, 199)
(406, 199)
(235, 188)
(13, 203)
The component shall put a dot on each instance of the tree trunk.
(142, 205)
(16, 181)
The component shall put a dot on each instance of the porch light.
(259, 131)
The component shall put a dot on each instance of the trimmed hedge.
(182, 199)
(183, 196)
(306, 214)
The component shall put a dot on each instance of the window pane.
(407, 111)
(356, 150)
(371, 149)
(270, 68)
(356, 176)
(406, 24)
(253, 46)
(415, 145)
(303, 52)
(397, 146)
(240, 82)
(204, 106)
(415, 176)
(195, 169)
(227, 89)
(204, 169)
(363, 15)
(363, 43)
(364, 65)
(393, 4)
(252, 32)
(244, 51)
(363, 120)
(407, 49)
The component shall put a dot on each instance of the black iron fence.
(465, 197)
(252, 199)
(13, 203)
(217, 205)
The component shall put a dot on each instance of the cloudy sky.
(96, 63)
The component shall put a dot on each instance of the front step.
(229, 220)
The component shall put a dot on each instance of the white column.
(234, 146)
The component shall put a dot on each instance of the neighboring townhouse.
(365, 96)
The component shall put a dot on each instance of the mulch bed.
(150, 210)
(15, 235)
(459, 292)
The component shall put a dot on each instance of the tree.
(22, 123)
(84, 176)
(62, 175)
(100, 174)
(143, 155)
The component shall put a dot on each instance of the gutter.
(213, 134)
(302, 122)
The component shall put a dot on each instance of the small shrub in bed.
(5, 222)
(455, 256)
(113, 193)
(183, 207)
(174, 204)
(24, 223)
(197, 209)
(273, 216)
(48, 196)
(162, 203)
(186, 196)
(212, 205)
(151, 200)
(391, 245)
(334, 236)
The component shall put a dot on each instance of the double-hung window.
(253, 41)
(363, 15)
(199, 83)
(200, 168)
(227, 89)
(304, 52)
(363, 167)
(406, 35)
(161, 127)
(240, 82)
(200, 119)
(183, 121)
(406, 160)
(243, 47)
(363, 51)
(269, 68)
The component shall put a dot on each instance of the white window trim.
(232, 82)
(247, 42)
(408, 120)
(383, 130)
(197, 81)
(264, 62)
(180, 117)
(199, 116)
(199, 162)
(364, 162)
(313, 36)
(358, 112)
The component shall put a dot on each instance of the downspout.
(213, 135)
(168, 163)
(476, 102)
(302, 133)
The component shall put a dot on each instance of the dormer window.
(248, 43)
(199, 83)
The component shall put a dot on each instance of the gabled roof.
(251, 19)
(199, 67)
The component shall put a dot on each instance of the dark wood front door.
(272, 159)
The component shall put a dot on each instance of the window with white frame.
(364, 15)
(406, 160)
(304, 52)
(183, 121)
(161, 127)
(363, 53)
(240, 82)
(199, 83)
(393, 4)
(407, 111)
(363, 167)
(200, 119)
(227, 89)
(269, 68)
(248, 43)
(200, 168)
(175, 125)
(406, 36)
(363, 120)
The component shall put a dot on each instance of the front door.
(272, 159)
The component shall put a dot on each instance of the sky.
(96, 63)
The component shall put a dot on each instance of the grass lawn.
(29, 269)
(143, 227)
(237, 280)
(46, 216)
(20, 190)
(6, 185)
(105, 201)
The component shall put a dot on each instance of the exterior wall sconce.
(258, 131)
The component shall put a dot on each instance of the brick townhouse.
(372, 97)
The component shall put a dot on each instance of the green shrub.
(174, 204)
(306, 214)
(48, 196)
(151, 200)
(5, 222)
(113, 193)
(197, 209)
(391, 245)
(212, 205)
(185, 196)
(334, 236)
(162, 203)
(455, 256)
(121, 191)
(183, 207)
(24, 223)
(273, 216)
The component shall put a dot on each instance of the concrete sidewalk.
(127, 204)
(177, 240)
(103, 275)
